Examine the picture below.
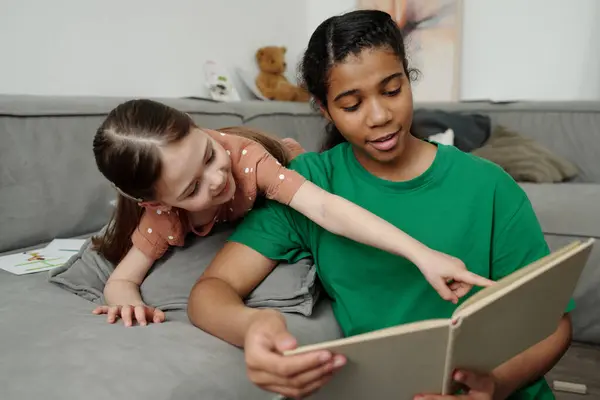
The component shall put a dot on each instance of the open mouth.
(386, 142)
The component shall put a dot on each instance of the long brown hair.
(126, 149)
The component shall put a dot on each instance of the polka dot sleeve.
(273, 180)
(156, 232)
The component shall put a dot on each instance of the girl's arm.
(345, 218)
(122, 291)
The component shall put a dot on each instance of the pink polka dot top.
(256, 172)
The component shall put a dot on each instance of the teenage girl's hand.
(293, 376)
(476, 387)
(448, 275)
(143, 314)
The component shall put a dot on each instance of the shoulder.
(157, 225)
(229, 139)
(317, 167)
(156, 231)
(510, 203)
(481, 172)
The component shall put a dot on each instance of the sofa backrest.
(50, 186)
(568, 129)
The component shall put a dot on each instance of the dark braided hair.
(334, 40)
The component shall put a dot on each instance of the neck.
(200, 218)
(414, 159)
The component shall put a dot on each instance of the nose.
(216, 181)
(378, 114)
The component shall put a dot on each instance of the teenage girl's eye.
(392, 93)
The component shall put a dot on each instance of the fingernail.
(324, 357)
(338, 362)
(459, 376)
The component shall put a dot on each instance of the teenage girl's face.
(196, 173)
(370, 102)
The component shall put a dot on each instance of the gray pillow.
(289, 288)
(525, 159)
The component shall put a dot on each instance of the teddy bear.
(271, 81)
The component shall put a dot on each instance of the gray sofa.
(52, 347)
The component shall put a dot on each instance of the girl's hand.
(129, 314)
(448, 275)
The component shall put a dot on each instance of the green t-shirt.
(462, 205)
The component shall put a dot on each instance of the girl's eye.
(195, 191)
(211, 157)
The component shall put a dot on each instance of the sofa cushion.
(50, 334)
(289, 288)
(566, 208)
(568, 212)
(585, 316)
(296, 120)
(77, 106)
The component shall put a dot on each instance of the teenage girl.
(175, 178)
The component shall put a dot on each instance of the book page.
(502, 325)
(393, 363)
(508, 280)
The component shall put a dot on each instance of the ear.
(283, 49)
(324, 111)
(259, 54)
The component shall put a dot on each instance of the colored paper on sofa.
(57, 253)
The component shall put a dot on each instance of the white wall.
(533, 49)
(137, 47)
(518, 49)
(319, 10)
(512, 49)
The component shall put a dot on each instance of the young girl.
(175, 178)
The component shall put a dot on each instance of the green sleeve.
(274, 232)
(517, 237)
(277, 231)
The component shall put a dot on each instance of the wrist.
(417, 253)
(501, 390)
(262, 317)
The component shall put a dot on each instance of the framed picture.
(433, 35)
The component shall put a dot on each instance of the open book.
(489, 328)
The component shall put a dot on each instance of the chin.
(389, 156)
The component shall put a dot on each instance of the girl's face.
(370, 102)
(196, 174)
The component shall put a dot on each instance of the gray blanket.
(289, 288)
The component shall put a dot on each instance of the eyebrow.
(189, 187)
(382, 83)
